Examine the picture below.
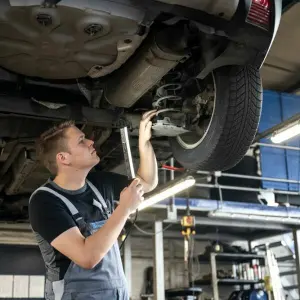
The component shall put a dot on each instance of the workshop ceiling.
(281, 70)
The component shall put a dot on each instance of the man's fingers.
(139, 186)
(135, 182)
(146, 114)
(149, 114)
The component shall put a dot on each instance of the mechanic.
(72, 215)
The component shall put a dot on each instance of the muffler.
(157, 56)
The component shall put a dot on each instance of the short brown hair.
(52, 142)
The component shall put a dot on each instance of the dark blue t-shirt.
(49, 216)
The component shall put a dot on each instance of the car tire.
(233, 125)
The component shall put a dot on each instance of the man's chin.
(97, 160)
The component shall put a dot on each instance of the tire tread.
(242, 115)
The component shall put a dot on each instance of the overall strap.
(73, 210)
(100, 199)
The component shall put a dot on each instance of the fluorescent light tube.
(167, 191)
(286, 133)
(239, 216)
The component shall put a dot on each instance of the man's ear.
(63, 158)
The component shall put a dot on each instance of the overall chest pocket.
(111, 264)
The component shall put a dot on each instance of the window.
(36, 286)
(6, 286)
(17, 286)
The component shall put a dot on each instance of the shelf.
(183, 292)
(231, 257)
(227, 281)
(230, 281)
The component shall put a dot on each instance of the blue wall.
(279, 163)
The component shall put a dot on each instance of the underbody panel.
(66, 42)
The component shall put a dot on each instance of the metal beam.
(9, 237)
(240, 224)
(26, 108)
(291, 287)
(288, 273)
(296, 234)
(214, 222)
(16, 227)
(176, 235)
(171, 263)
(159, 274)
(241, 207)
(214, 276)
(285, 258)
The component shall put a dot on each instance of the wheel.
(222, 140)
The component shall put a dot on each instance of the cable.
(151, 233)
(129, 230)
(141, 230)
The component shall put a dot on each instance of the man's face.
(81, 152)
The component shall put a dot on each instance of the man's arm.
(88, 252)
(50, 218)
(147, 171)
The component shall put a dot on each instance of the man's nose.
(90, 143)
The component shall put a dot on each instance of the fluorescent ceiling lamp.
(286, 133)
(168, 190)
(239, 216)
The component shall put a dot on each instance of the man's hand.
(132, 196)
(147, 171)
(145, 127)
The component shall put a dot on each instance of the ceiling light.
(239, 216)
(168, 190)
(286, 133)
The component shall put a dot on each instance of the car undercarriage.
(103, 63)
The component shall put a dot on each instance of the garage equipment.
(188, 223)
(251, 294)
(184, 294)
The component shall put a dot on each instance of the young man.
(73, 219)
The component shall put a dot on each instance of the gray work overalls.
(106, 281)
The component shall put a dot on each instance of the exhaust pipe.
(158, 55)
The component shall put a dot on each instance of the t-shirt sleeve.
(48, 216)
